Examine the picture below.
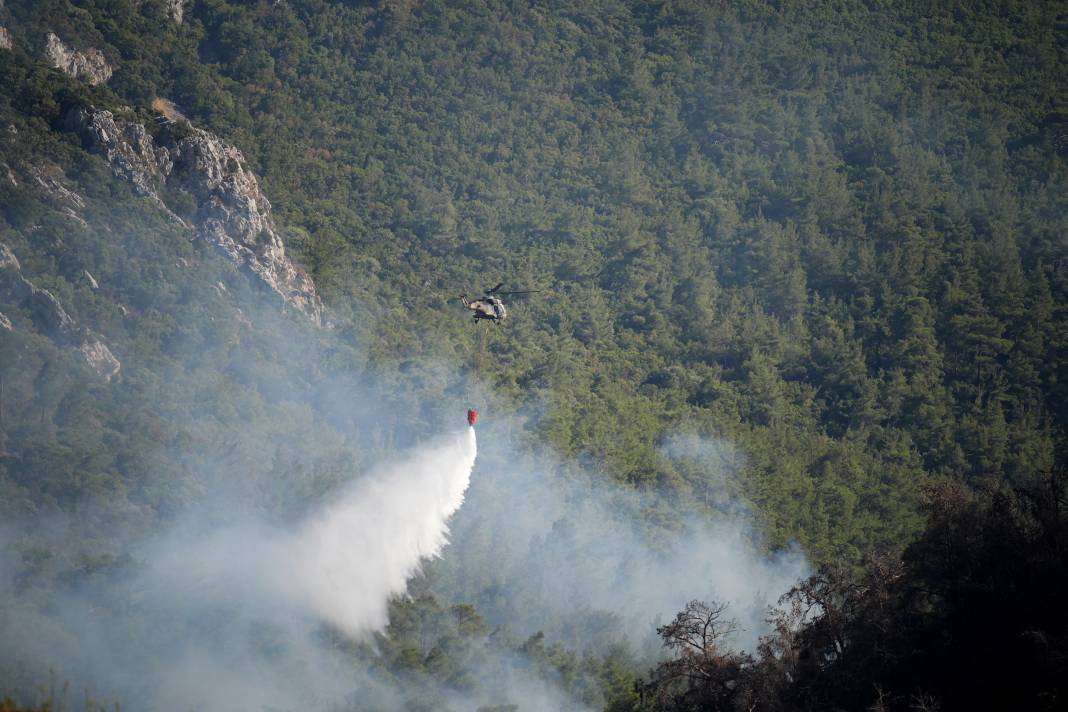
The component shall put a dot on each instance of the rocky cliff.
(49, 317)
(89, 64)
(231, 212)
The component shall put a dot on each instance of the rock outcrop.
(89, 64)
(176, 10)
(50, 318)
(5, 38)
(232, 212)
(55, 191)
(129, 149)
(48, 182)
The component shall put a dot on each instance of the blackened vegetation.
(702, 672)
(972, 616)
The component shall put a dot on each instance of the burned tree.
(702, 675)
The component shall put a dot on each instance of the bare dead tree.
(701, 675)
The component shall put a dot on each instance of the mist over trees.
(831, 236)
(970, 617)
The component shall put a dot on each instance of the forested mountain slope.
(832, 236)
(835, 236)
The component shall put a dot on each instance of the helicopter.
(489, 305)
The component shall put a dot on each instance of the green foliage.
(433, 649)
(832, 235)
(971, 617)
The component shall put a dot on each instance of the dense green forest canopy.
(831, 234)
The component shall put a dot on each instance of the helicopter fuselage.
(488, 307)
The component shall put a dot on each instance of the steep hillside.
(828, 240)
(834, 237)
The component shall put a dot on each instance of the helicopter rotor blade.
(494, 289)
(525, 291)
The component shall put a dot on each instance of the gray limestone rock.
(50, 184)
(88, 64)
(127, 147)
(49, 180)
(232, 212)
(50, 318)
(99, 358)
(176, 10)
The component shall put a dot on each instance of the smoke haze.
(590, 563)
(241, 615)
(282, 550)
(236, 613)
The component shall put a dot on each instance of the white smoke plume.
(342, 564)
(367, 545)
(589, 562)
(235, 614)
